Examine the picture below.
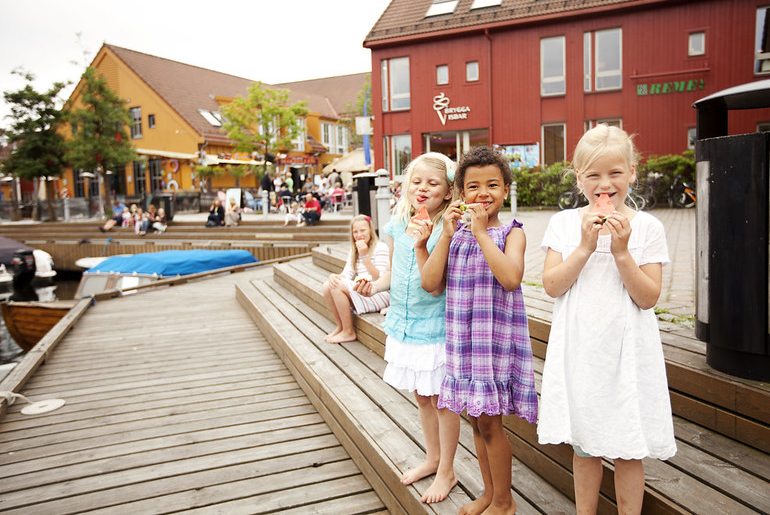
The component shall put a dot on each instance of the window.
(79, 182)
(608, 60)
(395, 84)
(478, 4)
(763, 127)
(402, 152)
(441, 7)
(442, 74)
(328, 139)
(156, 175)
(696, 43)
(140, 181)
(552, 80)
(612, 122)
(298, 142)
(553, 143)
(342, 139)
(150, 121)
(211, 117)
(136, 122)
(762, 39)
(587, 68)
(691, 138)
(472, 71)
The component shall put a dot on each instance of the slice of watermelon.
(413, 228)
(604, 206)
(422, 214)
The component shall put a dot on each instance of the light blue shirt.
(415, 316)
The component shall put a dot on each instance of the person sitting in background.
(117, 216)
(232, 214)
(312, 212)
(337, 197)
(128, 217)
(286, 197)
(160, 223)
(216, 214)
(141, 222)
(294, 214)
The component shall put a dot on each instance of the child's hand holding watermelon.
(415, 226)
(604, 207)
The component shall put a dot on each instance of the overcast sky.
(269, 40)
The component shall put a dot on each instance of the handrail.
(19, 376)
(182, 279)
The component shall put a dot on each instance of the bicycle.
(682, 194)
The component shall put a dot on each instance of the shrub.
(540, 186)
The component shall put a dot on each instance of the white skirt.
(415, 367)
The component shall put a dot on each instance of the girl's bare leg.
(499, 458)
(481, 503)
(329, 300)
(342, 302)
(429, 423)
(449, 436)
(588, 479)
(629, 486)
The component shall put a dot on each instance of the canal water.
(65, 286)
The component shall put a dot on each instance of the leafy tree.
(362, 104)
(99, 131)
(263, 121)
(39, 151)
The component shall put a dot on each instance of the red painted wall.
(654, 51)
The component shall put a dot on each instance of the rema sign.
(664, 88)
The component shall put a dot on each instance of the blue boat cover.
(169, 263)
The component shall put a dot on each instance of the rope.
(10, 397)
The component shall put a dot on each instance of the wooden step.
(710, 473)
(734, 407)
(349, 375)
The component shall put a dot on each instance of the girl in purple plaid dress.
(488, 355)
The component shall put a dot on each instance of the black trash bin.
(364, 197)
(733, 181)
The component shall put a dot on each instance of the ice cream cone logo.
(440, 103)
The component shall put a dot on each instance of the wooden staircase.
(721, 423)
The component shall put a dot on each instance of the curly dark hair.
(482, 156)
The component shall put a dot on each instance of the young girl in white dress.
(604, 381)
(367, 260)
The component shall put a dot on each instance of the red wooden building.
(533, 75)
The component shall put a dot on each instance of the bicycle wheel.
(568, 200)
(637, 201)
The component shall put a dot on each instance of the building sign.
(664, 88)
(298, 160)
(444, 112)
(520, 156)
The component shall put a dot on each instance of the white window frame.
(480, 4)
(587, 62)
(542, 140)
(691, 141)
(151, 121)
(341, 139)
(555, 79)
(384, 75)
(590, 124)
(399, 96)
(439, 80)
(298, 142)
(394, 155)
(469, 69)
(761, 59)
(691, 48)
(439, 7)
(597, 60)
(209, 117)
(136, 122)
(328, 134)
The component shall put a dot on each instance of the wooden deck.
(175, 402)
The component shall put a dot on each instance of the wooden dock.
(175, 402)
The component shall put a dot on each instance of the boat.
(28, 322)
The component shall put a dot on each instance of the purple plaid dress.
(488, 352)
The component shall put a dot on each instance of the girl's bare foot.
(425, 469)
(332, 334)
(440, 488)
(476, 507)
(342, 337)
(500, 510)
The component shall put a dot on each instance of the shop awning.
(351, 162)
(166, 153)
(214, 160)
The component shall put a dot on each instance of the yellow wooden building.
(176, 125)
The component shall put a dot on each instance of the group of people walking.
(457, 333)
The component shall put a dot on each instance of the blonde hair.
(600, 141)
(372, 238)
(435, 161)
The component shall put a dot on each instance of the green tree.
(263, 121)
(39, 148)
(99, 131)
(364, 98)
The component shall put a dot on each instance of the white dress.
(604, 382)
